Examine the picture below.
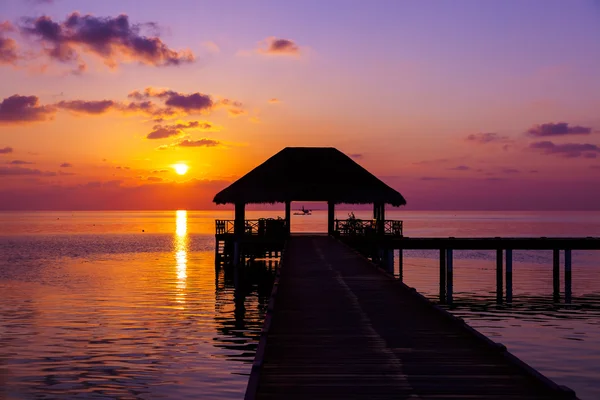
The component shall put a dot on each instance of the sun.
(181, 169)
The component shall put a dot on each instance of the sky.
(462, 105)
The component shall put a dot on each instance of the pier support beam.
(556, 275)
(499, 283)
(449, 276)
(442, 275)
(389, 260)
(239, 226)
(509, 268)
(568, 276)
(400, 265)
(330, 217)
(288, 217)
(379, 217)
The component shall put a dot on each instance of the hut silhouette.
(320, 174)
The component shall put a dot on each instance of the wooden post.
(239, 226)
(556, 275)
(509, 291)
(442, 275)
(288, 217)
(330, 217)
(568, 276)
(389, 259)
(400, 265)
(449, 276)
(499, 283)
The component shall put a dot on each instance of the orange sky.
(99, 101)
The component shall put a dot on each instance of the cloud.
(87, 107)
(460, 168)
(356, 156)
(23, 171)
(199, 143)
(19, 162)
(113, 39)
(182, 103)
(8, 50)
(162, 132)
(433, 178)
(595, 166)
(487, 137)
(188, 102)
(160, 171)
(510, 171)
(66, 165)
(558, 129)
(212, 47)
(154, 179)
(18, 109)
(274, 101)
(276, 46)
(570, 150)
(6, 150)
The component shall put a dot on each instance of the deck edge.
(254, 378)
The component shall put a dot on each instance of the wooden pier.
(338, 327)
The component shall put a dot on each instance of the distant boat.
(303, 211)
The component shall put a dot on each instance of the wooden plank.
(340, 328)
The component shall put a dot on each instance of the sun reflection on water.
(181, 250)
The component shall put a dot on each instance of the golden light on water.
(181, 169)
(181, 250)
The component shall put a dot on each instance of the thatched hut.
(309, 174)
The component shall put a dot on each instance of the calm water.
(128, 305)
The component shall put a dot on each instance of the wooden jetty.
(336, 327)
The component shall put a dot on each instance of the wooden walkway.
(338, 328)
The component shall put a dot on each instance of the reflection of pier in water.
(246, 291)
(584, 307)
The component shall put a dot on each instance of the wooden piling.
(556, 274)
(499, 283)
(449, 276)
(389, 259)
(568, 276)
(442, 275)
(509, 283)
(400, 265)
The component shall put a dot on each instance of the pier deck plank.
(340, 329)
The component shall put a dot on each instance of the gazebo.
(315, 174)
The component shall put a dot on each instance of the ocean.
(130, 305)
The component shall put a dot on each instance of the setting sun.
(181, 169)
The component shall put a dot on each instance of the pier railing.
(255, 227)
(362, 227)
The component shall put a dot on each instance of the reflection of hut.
(304, 174)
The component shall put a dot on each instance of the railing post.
(567, 275)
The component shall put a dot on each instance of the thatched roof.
(309, 174)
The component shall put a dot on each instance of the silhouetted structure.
(301, 174)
